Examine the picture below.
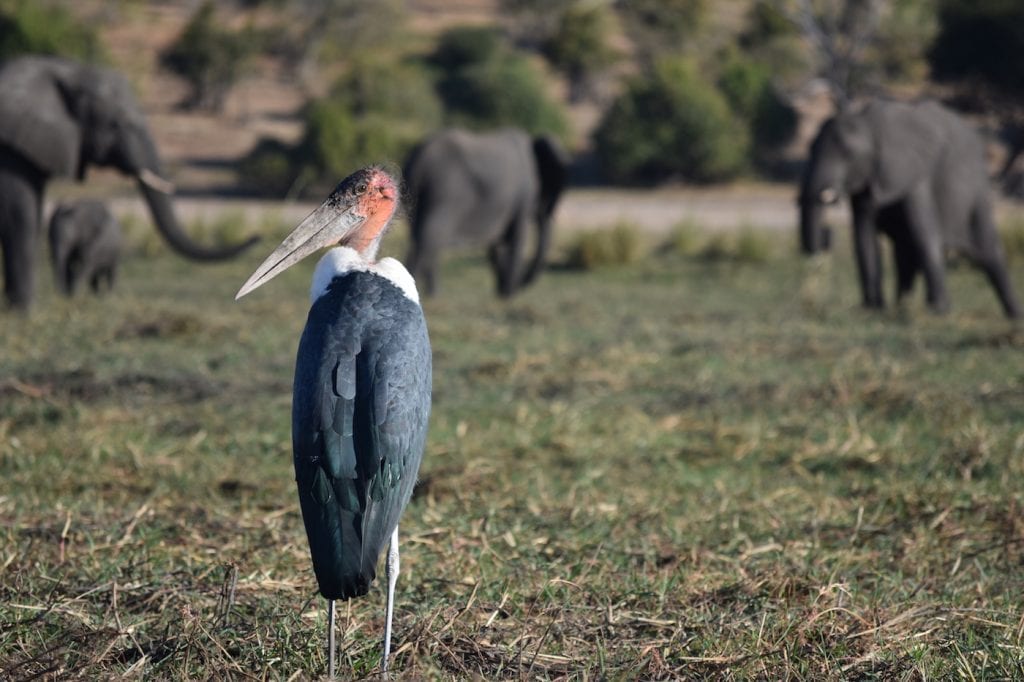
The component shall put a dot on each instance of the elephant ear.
(909, 139)
(34, 117)
(551, 169)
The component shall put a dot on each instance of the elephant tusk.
(828, 196)
(154, 181)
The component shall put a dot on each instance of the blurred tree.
(980, 48)
(660, 27)
(535, 22)
(861, 45)
(41, 27)
(464, 46)
(840, 31)
(331, 31)
(906, 30)
(671, 123)
(771, 38)
(209, 57)
(483, 84)
(376, 111)
(748, 87)
(580, 46)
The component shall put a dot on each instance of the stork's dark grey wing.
(360, 410)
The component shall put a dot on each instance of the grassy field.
(683, 468)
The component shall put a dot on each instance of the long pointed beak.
(327, 225)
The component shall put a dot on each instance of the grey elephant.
(470, 189)
(916, 173)
(85, 246)
(58, 117)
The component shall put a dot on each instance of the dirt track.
(759, 206)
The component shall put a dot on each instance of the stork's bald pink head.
(356, 214)
(371, 193)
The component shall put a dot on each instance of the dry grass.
(673, 469)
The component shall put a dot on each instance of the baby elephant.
(85, 244)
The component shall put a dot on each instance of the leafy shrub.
(671, 123)
(660, 27)
(685, 238)
(377, 111)
(1012, 235)
(754, 246)
(228, 227)
(980, 42)
(580, 46)
(140, 236)
(209, 57)
(35, 27)
(621, 245)
(747, 245)
(464, 46)
(269, 168)
(484, 84)
(747, 85)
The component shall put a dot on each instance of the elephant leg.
(507, 257)
(20, 199)
(497, 254)
(988, 255)
(422, 266)
(869, 260)
(926, 237)
(905, 261)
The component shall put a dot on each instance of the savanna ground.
(710, 466)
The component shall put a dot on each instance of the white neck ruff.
(342, 260)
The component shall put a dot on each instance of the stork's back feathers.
(359, 418)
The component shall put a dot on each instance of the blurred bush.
(580, 46)
(747, 85)
(1012, 234)
(746, 245)
(671, 123)
(658, 28)
(685, 239)
(375, 112)
(210, 57)
(983, 41)
(754, 245)
(40, 27)
(484, 84)
(623, 244)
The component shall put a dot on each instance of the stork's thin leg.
(330, 639)
(392, 571)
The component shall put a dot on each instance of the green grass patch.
(1012, 235)
(664, 470)
(620, 244)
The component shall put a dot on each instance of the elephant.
(85, 245)
(914, 171)
(59, 116)
(470, 188)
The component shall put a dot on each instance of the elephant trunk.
(140, 158)
(60, 251)
(167, 223)
(815, 236)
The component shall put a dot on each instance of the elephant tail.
(553, 175)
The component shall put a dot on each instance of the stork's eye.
(361, 188)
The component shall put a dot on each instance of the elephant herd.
(914, 172)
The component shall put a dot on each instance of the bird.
(362, 390)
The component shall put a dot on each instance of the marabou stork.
(362, 390)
